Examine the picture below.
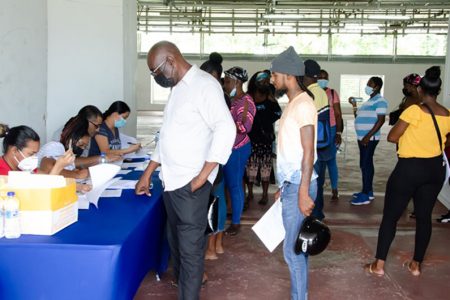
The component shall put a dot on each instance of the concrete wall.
(23, 63)
(91, 57)
(393, 73)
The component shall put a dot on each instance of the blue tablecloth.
(105, 255)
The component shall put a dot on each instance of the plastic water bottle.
(12, 217)
(2, 217)
(103, 158)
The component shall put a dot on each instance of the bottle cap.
(102, 154)
(10, 194)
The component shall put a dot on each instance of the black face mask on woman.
(77, 151)
(406, 92)
(263, 88)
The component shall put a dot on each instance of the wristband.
(339, 133)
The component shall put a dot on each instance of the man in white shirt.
(197, 134)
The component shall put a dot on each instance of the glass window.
(353, 86)
(158, 94)
(355, 44)
(238, 43)
(422, 44)
(186, 42)
(254, 44)
(303, 43)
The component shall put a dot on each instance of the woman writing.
(20, 145)
(107, 140)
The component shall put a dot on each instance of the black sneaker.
(444, 218)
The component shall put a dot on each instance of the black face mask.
(406, 92)
(263, 88)
(163, 81)
(77, 151)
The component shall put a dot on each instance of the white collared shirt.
(197, 127)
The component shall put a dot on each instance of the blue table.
(105, 255)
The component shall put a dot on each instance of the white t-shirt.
(299, 112)
(53, 150)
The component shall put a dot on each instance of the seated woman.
(20, 145)
(74, 136)
(107, 140)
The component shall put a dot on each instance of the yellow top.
(320, 96)
(420, 138)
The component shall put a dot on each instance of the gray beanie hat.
(288, 62)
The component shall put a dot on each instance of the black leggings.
(417, 178)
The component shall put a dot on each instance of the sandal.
(369, 268)
(335, 196)
(247, 203)
(263, 200)
(233, 229)
(413, 271)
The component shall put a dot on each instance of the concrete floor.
(248, 271)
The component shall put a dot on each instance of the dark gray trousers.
(186, 224)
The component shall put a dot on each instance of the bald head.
(164, 58)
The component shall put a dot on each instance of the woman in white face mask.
(20, 145)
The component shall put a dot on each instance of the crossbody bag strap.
(436, 126)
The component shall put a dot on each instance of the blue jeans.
(366, 164)
(332, 164)
(233, 172)
(320, 168)
(292, 220)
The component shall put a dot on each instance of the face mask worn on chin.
(368, 90)
(233, 92)
(406, 92)
(323, 83)
(27, 164)
(120, 123)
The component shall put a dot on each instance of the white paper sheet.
(111, 193)
(101, 177)
(123, 184)
(142, 167)
(269, 228)
(125, 139)
(124, 172)
(102, 173)
(142, 153)
(132, 165)
(83, 202)
(94, 195)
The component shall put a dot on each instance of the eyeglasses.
(153, 73)
(95, 125)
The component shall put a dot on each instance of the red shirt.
(4, 168)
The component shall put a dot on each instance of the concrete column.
(91, 58)
(446, 77)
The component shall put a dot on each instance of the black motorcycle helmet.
(313, 237)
